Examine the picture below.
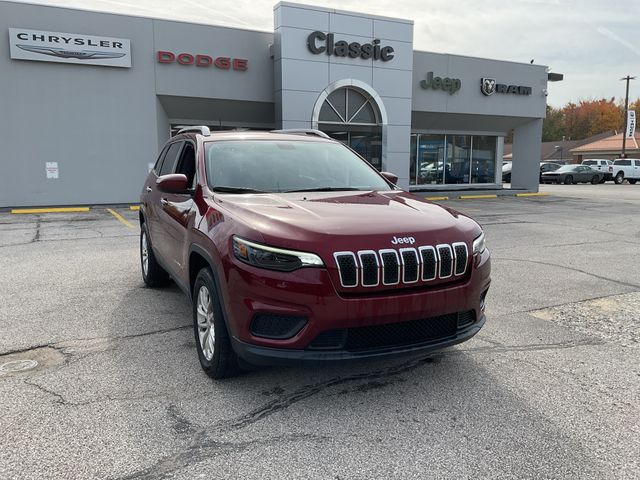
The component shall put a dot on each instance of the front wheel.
(568, 180)
(619, 178)
(595, 180)
(152, 273)
(215, 352)
(632, 181)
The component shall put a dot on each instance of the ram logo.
(488, 86)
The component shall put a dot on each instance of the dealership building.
(88, 98)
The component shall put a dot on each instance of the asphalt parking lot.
(550, 388)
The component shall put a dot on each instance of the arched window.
(349, 106)
(351, 115)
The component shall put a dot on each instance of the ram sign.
(69, 48)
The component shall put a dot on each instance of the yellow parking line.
(437, 198)
(538, 194)
(134, 207)
(119, 217)
(50, 210)
(469, 197)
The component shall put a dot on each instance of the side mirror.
(390, 176)
(173, 183)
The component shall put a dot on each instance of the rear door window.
(170, 159)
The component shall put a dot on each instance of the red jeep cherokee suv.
(293, 248)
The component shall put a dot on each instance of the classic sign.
(320, 42)
(451, 85)
(488, 86)
(75, 48)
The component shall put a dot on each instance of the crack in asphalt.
(574, 269)
(203, 447)
(201, 451)
(63, 345)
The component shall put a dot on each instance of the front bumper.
(264, 356)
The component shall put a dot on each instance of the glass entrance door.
(367, 144)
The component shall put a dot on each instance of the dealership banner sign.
(631, 123)
(43, 46)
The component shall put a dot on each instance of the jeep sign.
(451, 85)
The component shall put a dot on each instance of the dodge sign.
(69, 48)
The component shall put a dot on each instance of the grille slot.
(348, 268)
(410, 265)
(390, 267)
(461, 257)
(399, 334)
(429, 263)
(329, 340)
(445, 259)
(466, 318)
(370, 268)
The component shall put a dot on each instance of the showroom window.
(439, 159)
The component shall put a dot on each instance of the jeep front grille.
(370, 268)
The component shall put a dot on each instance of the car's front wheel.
(215, 352)
(152, 273)
(619, 178)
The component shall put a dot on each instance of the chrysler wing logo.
(62, 53)
(488, 86)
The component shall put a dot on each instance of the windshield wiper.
(224, 189)
(323, 189)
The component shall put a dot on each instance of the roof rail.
(302, 131)
(201, 129)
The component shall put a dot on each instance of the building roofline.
(304, 6)
(132, 15)
(536, 65)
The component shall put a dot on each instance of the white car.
(628, 168)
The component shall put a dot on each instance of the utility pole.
(626, 116)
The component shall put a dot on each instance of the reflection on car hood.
(307, 215)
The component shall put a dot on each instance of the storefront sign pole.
(626, 116)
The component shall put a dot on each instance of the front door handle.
(164, 201)
(149, 189)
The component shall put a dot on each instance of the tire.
(568, 180)
(595, 180)
(152, 273)
(619, 178)
(216, 356)
(632, 181)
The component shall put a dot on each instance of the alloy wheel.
(206, 329)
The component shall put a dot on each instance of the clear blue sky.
(593, 42)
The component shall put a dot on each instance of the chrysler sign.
(69, 48)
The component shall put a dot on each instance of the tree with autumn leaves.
(576, 121)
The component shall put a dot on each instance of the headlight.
(478, 244)
(273, 258)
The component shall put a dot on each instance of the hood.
(295, 219)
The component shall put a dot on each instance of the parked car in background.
(548, 167)
(506, 173)
(569, 174)
(544, 167)
(628, 168)
(601, 165)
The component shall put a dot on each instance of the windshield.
(260, 166)
(566, 168)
